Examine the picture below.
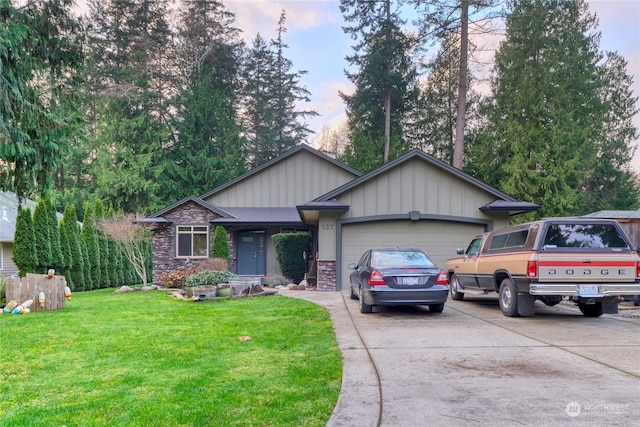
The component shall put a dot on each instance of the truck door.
(466, 266)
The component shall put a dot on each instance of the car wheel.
(364, 307)
(636, 300)
(508, 298)
(436, 308)
(455, 289)
(591, 310)
(352, 294)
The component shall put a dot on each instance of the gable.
(291, 179)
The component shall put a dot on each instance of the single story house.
(415, 200)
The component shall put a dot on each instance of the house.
(415, 200)
(8, 214)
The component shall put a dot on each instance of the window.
(474, 247)
(508, 240)
(593, 236)
(193, 241)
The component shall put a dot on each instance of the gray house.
(414, 200)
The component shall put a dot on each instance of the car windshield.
(400, 259)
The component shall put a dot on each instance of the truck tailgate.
(587, 267)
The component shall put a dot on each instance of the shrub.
(289, 250)
(209, 278)
(220, 246)
(173, 278)
(216, 264)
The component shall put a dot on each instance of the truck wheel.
(591, 310)
(455, 289)
(364, 307)
(508, 298)
(636, 300)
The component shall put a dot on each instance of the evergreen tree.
(69, 226)
(90, 238)
(86, 269)
(57, 256)
(24, 245)
(207, 148)
(103, 245)
(129, 41)
(39, 59)
(65, 247)
(271, 94)
(385, 83)
(220, 246)
(548, 122)
(42, 237)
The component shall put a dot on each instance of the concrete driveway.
(472, 366)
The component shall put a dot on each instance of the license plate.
(588, 290)
(410, 280)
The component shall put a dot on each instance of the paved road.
(472, 366)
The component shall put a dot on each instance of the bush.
(220, 246)
(216, 264)
(289, 250)
(173, 278)
(276, 280)
(209, 278)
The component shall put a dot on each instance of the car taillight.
(375, 278)
(637, 269)
(532, 269)
(442, 278)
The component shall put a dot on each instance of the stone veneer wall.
(164, 237)
(327, 280)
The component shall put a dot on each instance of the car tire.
(352, 294)
(508, 298)
(636, 300)
(364, 307)
(454, 289)
(436, 308)
(591, 310)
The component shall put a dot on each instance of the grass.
(145, 359)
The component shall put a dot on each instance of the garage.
(439, 239)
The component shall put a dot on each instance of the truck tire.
(636, 300)
(364, 307)
(591, 310)
(508, 298)
(455, 289)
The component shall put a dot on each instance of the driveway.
(472, 366)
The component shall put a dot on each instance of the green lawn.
(145, 359)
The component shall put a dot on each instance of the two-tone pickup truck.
(588, 261)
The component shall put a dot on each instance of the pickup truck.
(588, 261)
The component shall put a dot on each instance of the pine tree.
(385, 83)
(42, 235)
(90, 238)
(57, 255)
(24, 246)
(103, 246)
(548, 122)
(69, 226)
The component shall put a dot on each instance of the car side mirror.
(352, 266)
(460, 251)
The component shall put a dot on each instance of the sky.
(317, 44)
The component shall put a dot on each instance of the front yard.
(143, 358)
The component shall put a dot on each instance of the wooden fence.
(29, 287)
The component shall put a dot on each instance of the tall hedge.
(72, 235)
(57, 255)
(24, 246)
(90, 238)
(220, 246)
(42, 236)
(290, 248)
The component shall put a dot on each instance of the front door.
(251, 253)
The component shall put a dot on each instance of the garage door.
(439, 239)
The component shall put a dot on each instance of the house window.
(193, 241)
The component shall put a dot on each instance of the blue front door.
(251, 253)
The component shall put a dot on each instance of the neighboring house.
(8, 214)
(628, 220)
(414, 200)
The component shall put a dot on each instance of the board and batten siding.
(295, 180)
(416, 187)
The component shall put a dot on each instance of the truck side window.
(474, 247)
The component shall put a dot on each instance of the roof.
(503, 202)
(280, 216)
(9, 212)
(611, 214)
(157, 216)
(280, 158)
